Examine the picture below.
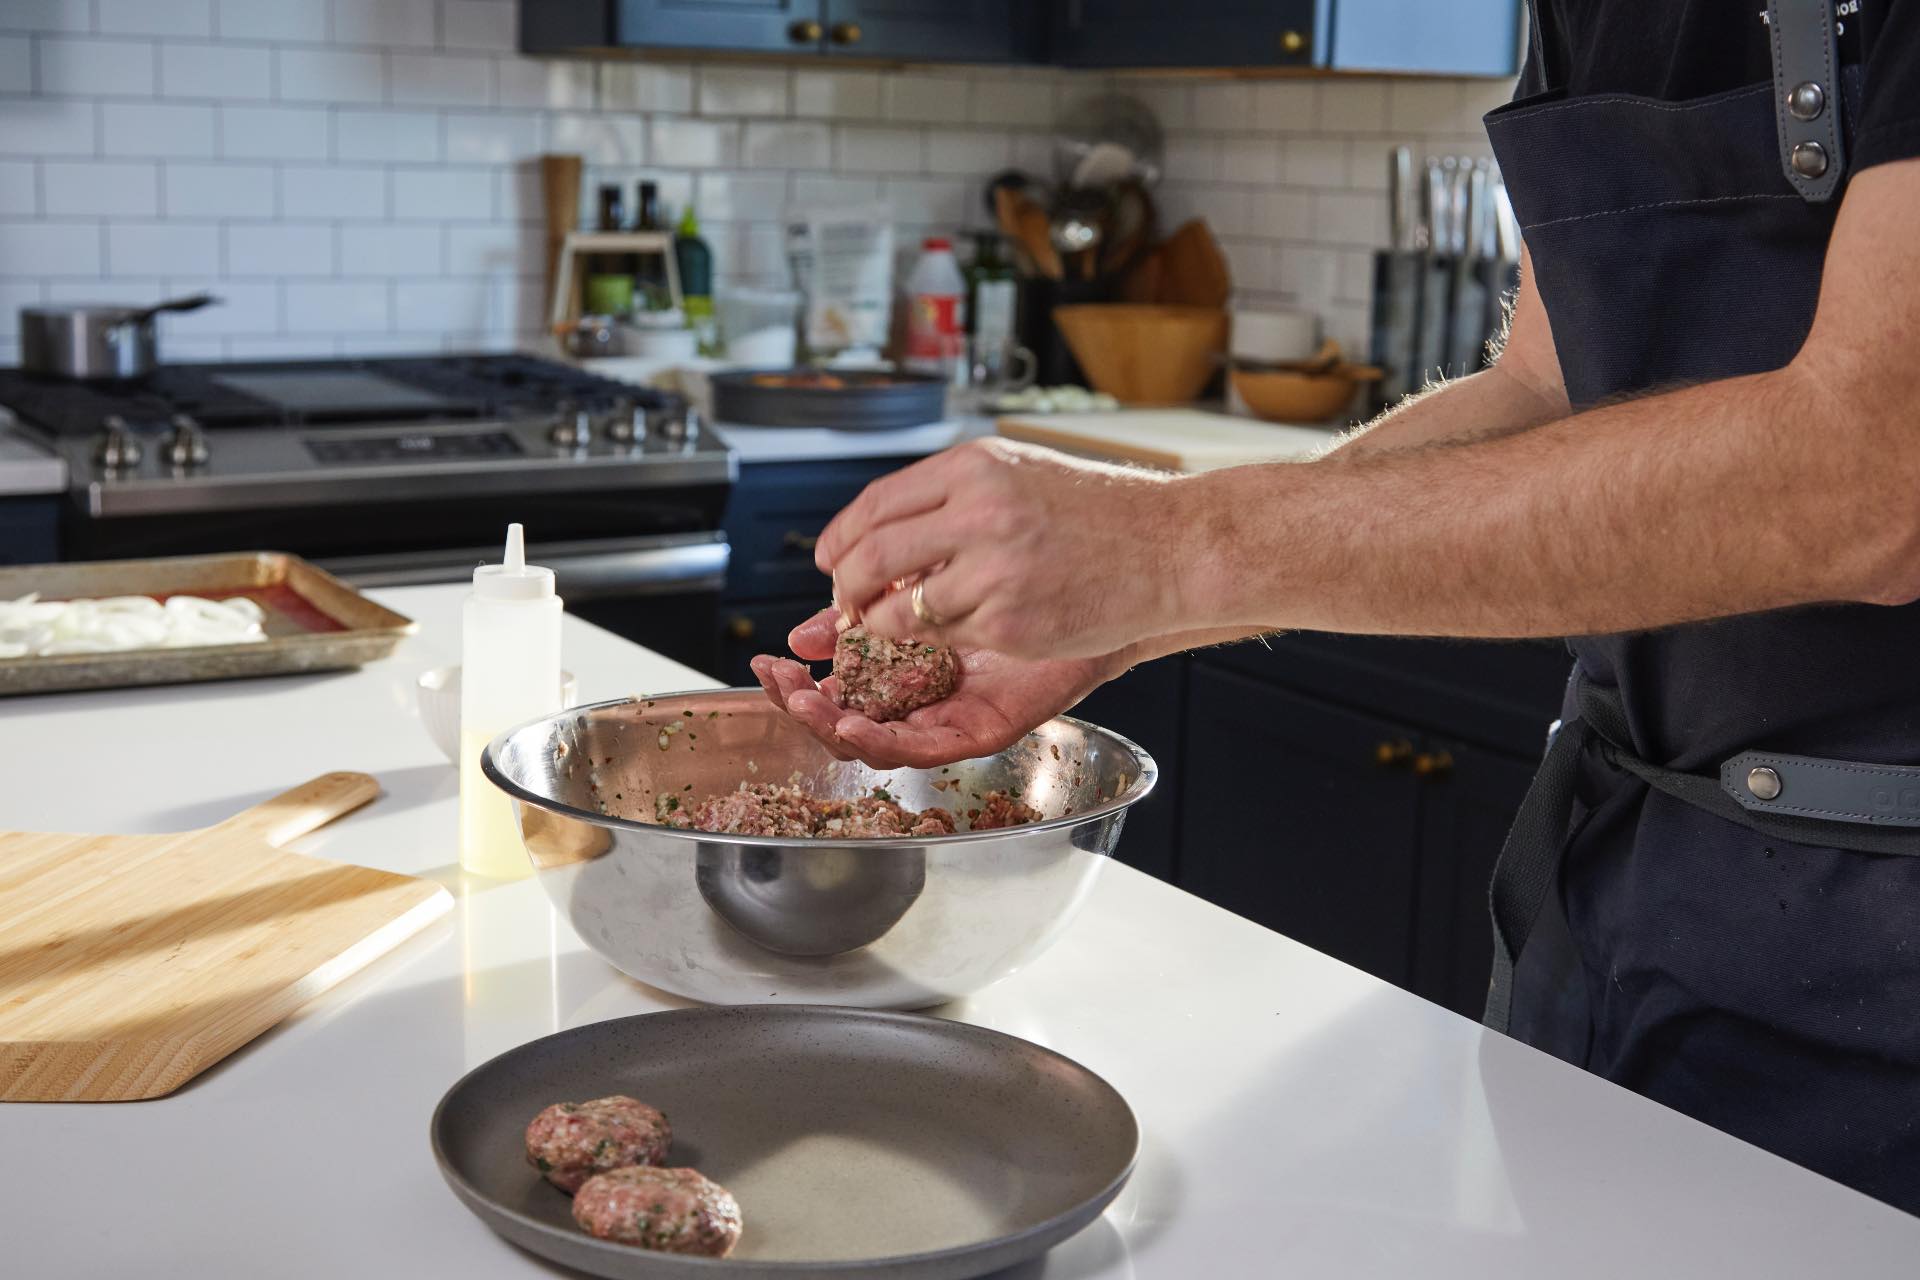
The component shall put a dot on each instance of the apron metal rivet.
(1806, 101)
(1809, 159)
(1764, 783)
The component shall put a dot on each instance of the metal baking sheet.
(314, 621)
(889, 1146)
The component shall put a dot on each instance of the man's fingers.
(821, 716)
(950, 594)
(898, 745)
(907, 492)
(814, 639)
(903, 550)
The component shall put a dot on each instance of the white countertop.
(1300, 1118)
(26, 468)
(816, 444)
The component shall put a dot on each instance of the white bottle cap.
(513, 578)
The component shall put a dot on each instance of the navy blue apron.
(1756, 967)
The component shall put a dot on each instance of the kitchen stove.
(403, 470)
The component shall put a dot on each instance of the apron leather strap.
(1524, 875)
(1806, 95)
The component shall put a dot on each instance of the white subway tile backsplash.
(744, 197)
(519, 193)
(440, 306)
(1315, 162)
(155, 17)
(788, 144)
(215, 71)
(743, 91)
(477, 24)
(1192, 157)
(19, 188)
(110, 68)
(941, 202)
(392, 23)
(156, 129)
(316, 191)
(817, 191)
(49, 127)
(244, 307)
(529, 82)
(1283, 213)
(299, 20)
(49, 249)
(443, 194)
(1421, 106)
(1223, 107)
(16, 64)
(440, 79)
(1251, 160)
(411, 136)
(87, 188)
(163, 248)
(975, 152)
(1025, 101)
(600, 139)
(311, 346)
(330, 75)
(15, 294)
(1286, 106)
(1309, 272)
(274, 133)
(192, 190)
(501, 248)
(124, 289)
(47, 15)
(1353, 106)
(862, 149)
(337, 306)
(846, 95)
(493, 137)
(638, 86)
(1344, 219)
(927, 99)
(684, 143)
(276, 249)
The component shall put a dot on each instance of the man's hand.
(999, 699)
(1021, 550)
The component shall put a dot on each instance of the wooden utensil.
(560, 189)
(1193, 272)
(130, 964)
(1026, 223)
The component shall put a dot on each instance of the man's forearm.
(1730, 497)
(1493, 402)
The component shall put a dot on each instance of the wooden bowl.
(1284, 395)
(1143, 353)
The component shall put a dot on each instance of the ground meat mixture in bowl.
(570, 1142)
(671, 1210)
(786, 810)
(885, 679)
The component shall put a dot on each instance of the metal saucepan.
(95, 341)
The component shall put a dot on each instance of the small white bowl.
(439, 701)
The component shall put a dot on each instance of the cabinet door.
(925, 30)
(1468, 800)
(1460, 37)
(755, 627)
(1148, 705)
(767, 26)
(776, 513)
(1197, 33)
(1289, 818)
(29, 530)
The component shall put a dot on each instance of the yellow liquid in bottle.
(489, 836)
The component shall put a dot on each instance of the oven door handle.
(579, 576)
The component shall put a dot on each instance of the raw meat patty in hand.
(885, 679)
(671, 1210)
(570, 1142)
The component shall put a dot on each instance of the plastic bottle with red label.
(936, 311)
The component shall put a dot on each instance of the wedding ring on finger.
(918, 599)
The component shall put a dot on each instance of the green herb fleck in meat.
(881, 793)
(543, 1164)
(673, 802)
(600, 1148)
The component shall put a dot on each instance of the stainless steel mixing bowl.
(897, 924)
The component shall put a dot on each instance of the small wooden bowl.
(1143, 353)
(1287, 396)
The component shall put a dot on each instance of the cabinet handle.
(846, 33)
(794, 540)
(1392, 754)
(740, 627)
(1292, 42)
(1433, 765)
(806, 31)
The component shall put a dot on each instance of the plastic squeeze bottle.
(509, 674)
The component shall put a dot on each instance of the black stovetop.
(311, 393)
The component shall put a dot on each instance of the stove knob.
(118, 448)
(626, 424)
(188, 446)
(676, 424)
(572, 428)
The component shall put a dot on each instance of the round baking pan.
(869, 400)
(889, 1146)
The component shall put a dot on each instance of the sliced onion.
(32, 627)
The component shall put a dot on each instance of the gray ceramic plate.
(883, 1145)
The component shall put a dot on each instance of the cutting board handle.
(308, 806)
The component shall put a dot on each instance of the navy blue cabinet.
(1431, 37)
(1149, 705)
(29, 530)
(895, 30)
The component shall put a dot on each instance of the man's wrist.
(1199, 573)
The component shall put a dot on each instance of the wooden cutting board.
(1170, 439)
(130, 964)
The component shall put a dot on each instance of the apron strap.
(1524, 875)
(1806, 96)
